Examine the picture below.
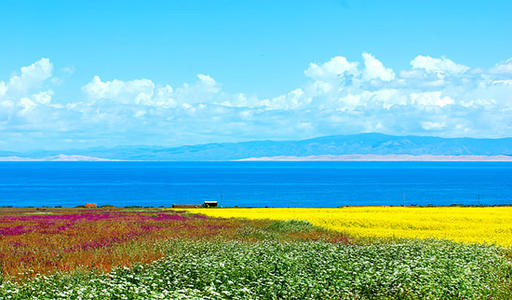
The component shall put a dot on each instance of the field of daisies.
(149, 253)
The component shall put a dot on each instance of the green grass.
(291, 226)
(292, 270)
(39, 213)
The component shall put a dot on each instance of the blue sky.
(77, 74)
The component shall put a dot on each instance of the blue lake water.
(273, 184)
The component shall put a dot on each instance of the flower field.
(150, 253)
(42, 241)
(484, 225)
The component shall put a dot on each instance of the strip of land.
(391, 157)
(348, 157)
(60, 157)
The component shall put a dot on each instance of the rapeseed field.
(481, 225)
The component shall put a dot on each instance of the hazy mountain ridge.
(386, 157)
(360, 144)
(60, 157)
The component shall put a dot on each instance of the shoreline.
(388, 157)
(256, 207)
(311, 158)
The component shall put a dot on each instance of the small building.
(210, 204)
(91, 205)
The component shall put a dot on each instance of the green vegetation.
(291, 226)
(297, 270)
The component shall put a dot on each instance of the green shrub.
(291, 226)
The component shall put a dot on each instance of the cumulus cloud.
(25, 95)
(437, 65)
(31, 76)
(434, 96)
(205, 89)
(374, 69)
(335, 68)
(137, 92)
(118, 89)
(293, 100)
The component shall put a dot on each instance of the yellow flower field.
(485, 225)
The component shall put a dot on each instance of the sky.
(80, 74)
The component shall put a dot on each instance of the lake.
(273, 184)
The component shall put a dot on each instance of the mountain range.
(373, 144)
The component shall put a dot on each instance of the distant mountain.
(339, 145)
(60, 157)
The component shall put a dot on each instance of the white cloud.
(504, 67)
(43, 97)
(427, 125)
(293, 100)
(335, 68)
(503, 82)
(139, 91)
(17, 99)
(478, 103)
(437, 65)
(374, 69)
(430, 99)
(124, 91)
(139, 113)
(31, 76)
(27, 105)
(206, 79)
(351, 101)
(433, 96)
(321, 87)
(202, 91)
